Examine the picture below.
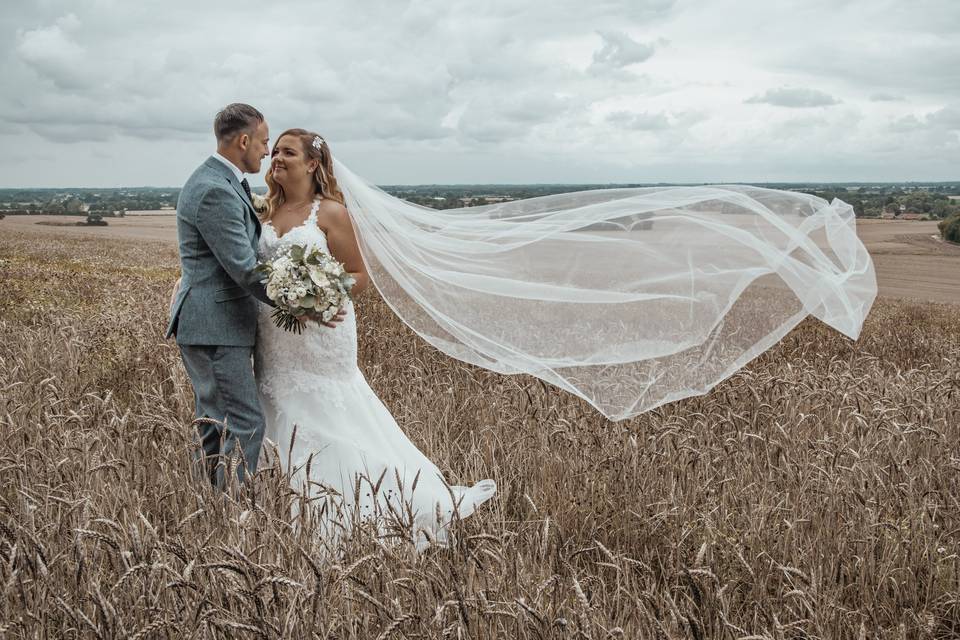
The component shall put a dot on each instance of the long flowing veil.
(628, 298)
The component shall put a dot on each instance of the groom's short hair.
(235, 118)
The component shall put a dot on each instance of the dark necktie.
(246, 189)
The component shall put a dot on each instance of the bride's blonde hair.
(324, 182)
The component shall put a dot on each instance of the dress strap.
(313, 210)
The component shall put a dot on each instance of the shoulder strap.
(313, 210)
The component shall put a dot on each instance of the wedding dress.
(346, 439)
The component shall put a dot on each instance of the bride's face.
(289, 163)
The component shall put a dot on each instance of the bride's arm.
(342, 241)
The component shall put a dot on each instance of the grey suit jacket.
(218, 232)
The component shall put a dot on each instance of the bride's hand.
(335, 320)
(316, 317)
(176, 289)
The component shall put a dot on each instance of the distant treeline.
(934, 204)
(80, 201)
(929, 199)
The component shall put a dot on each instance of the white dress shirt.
(230, 165)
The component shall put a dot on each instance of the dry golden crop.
(812, 495)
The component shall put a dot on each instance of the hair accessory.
(318, 143)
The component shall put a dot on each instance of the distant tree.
(858, 208)
(950, 229)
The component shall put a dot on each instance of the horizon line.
(562, 184)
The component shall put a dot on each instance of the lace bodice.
(307, 233)
(291, 362)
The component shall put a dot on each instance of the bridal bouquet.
(300, 281)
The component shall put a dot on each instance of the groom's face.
(258, 146)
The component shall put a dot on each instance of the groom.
(214, 314)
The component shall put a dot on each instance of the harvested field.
(812, 495)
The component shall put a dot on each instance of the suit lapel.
(243, 196)
(219, 167)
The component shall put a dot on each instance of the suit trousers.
(225, 391)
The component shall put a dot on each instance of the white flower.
(273, 290)
(259, 202)
(318, 277)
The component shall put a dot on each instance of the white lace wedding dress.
(311, 381)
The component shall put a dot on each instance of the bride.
(346, 449)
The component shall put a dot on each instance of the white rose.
(259, 202)
(318, 277)
(283, 265)
(273, 291)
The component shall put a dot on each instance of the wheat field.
(812, 495)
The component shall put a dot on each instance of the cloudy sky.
(110, 93)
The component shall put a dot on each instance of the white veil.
(628, 298)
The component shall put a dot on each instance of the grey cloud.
(794, 97)
(906, 123)
(53, 54)
(947, 118)
(942, 120)
(76, 118)
(800, 127)
(639, 121)
(72, 133)
(493, 119)
(560, 17)
(400, 124)
(886, 97)
(907, 66)
(676, 122)
(928, 16)
(619, 50)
